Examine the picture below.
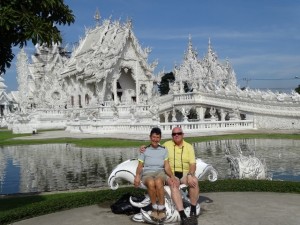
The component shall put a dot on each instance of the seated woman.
(152, 170)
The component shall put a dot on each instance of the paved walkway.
(227, 208)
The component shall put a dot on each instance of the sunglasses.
(179, 133)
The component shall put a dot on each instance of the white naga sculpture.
(126, 171)
(246, 167)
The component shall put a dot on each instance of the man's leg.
(177, 199)
(176, 196)
(194, 192)
(194, 196)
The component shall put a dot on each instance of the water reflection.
(51, 167)
(281, 156)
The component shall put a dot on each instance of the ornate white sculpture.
(23, 79)
(126, 171)
(247, 167)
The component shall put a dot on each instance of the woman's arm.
(172, 179)
(137, 179)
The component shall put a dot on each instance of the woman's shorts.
(154, 175)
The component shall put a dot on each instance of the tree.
(164, 84)
(298, 89)
(35, 20)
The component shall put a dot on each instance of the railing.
(188, 127)
(254, 105)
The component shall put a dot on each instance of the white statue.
(126, 171)
(143, 93)
(213, 113)
(246, 167)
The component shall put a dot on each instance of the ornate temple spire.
(97, 17)
(190, 42)
(128, 24)
(211, 61)
(22, 79)
(2, 85)
(211, 55)
(191, 68)
(190, 53)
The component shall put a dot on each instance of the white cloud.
(273, 58)
(202, 32)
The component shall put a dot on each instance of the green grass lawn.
(14, 208)
(6, 138)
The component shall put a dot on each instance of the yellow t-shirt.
(180, 158)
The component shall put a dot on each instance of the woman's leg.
(150, 184)
(160, 192)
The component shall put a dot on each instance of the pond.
(56, 167)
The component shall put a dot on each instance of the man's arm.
(142, 148)
(192, 169)
(191, 174)
(192, 161)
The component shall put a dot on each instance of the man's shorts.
(154, 175)
(181, 176)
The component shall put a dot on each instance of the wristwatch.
(190, 174)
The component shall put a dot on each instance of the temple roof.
(4, 97)
(101, 48)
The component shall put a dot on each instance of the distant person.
(152, 170)
(183, 164)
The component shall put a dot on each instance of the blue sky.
(260, 38)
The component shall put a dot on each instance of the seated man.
(153, 169)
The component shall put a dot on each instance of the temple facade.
(107, 85)
(109, 65)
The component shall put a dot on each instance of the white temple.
(107, 85)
